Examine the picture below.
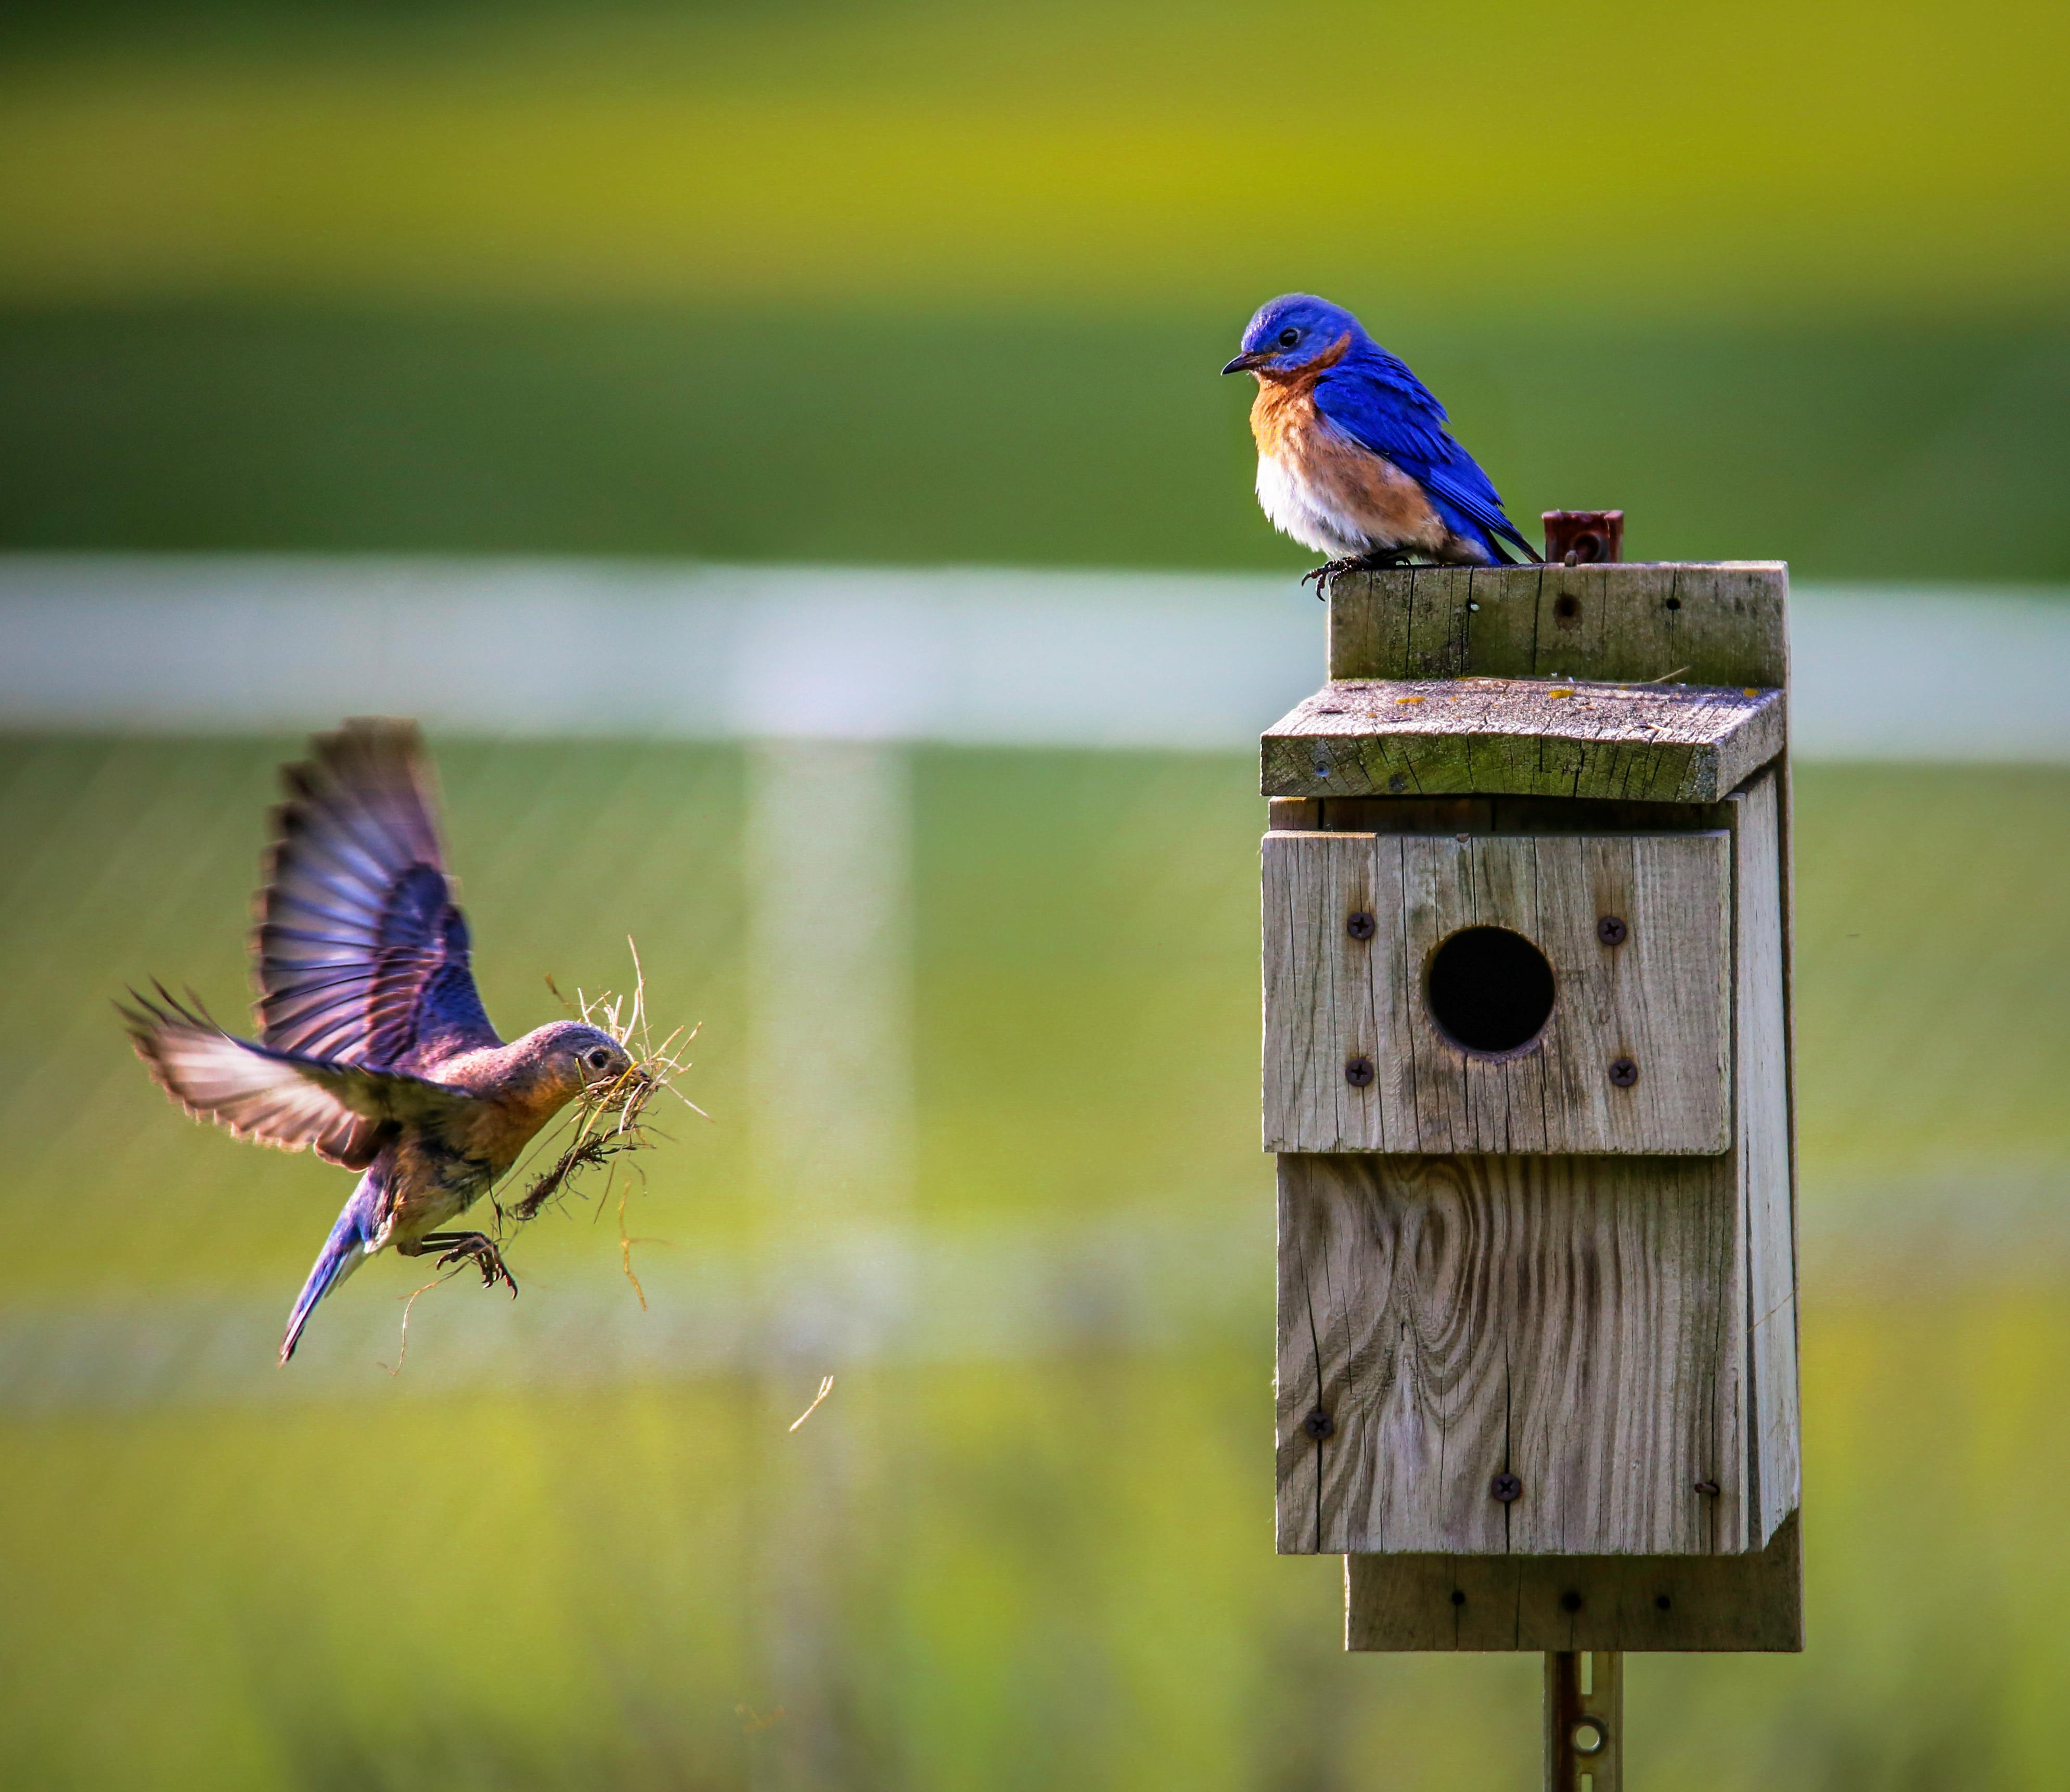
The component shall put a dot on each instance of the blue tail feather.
(343, 1252)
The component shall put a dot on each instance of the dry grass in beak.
(609, 1120)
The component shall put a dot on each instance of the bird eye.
(598, 1058)
(1288, 337)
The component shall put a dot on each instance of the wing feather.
(343, 1112)
(361, 954)
(1375, 399)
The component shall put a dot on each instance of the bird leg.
(1320, 576)
(480, 1246)
(1375, 559)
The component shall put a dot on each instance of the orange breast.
(1283, 414)
(1282, 417)
(1362, 491)
(496, 1132)
(1374, 493)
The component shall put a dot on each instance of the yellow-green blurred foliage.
(914, 281)
(1698, 156)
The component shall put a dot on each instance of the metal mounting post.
(1585, 1690)
(1584, 1721)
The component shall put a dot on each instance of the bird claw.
(1379, 560)
(478, 1248)
(1320, 576)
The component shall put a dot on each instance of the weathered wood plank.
(1293, 814)
(1664, 743)
(1562, 1319)
(1658, 998)
(1665, 1603)
(1718, 624)
(1317, 968)
(1438, 892)
(1763, 1105)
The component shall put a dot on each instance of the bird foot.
(1320, 576)
(478, 1246)
(1377, 561)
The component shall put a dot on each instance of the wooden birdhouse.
(1526, 1070)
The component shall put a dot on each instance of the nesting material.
(610, 1122)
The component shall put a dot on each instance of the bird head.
(1292, 334)
(579, 1057)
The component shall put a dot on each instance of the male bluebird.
(1353, 457)
(373, 1048)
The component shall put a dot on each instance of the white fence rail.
(579, 648)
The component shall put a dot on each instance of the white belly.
(1296, 507)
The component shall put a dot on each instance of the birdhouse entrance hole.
(1489, 990)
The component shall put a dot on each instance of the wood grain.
(1563, 1320)
(1659, 999)
(1765, 1157)
(1749, 1601)
(1665, 743)
(1712, 624)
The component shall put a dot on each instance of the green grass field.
(1032, 1570)
(1623, 158)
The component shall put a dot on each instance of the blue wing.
(1373, 397)
(363, 956)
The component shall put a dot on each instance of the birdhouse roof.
(1524, 737)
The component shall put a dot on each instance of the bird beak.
(1244, 363)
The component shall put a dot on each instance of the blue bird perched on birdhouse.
(1354, 459)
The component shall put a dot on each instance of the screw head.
(1623, 1072)
(1612, 931)
(1459, 1597)
(1361, 926)
(1505, 1486)
(1318, 1425)
(1358, 1071)
(1322, 768)
(1570, 1601)
(1707, 1487)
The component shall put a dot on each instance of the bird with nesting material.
(373, 1048)
(1354, 459)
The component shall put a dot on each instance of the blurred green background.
(902, 280)
(856, 282)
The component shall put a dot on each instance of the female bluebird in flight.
(374, 1048)
(1353, 457)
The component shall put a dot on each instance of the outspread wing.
(362, 955)
(343, 1112)
(1374, 399)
